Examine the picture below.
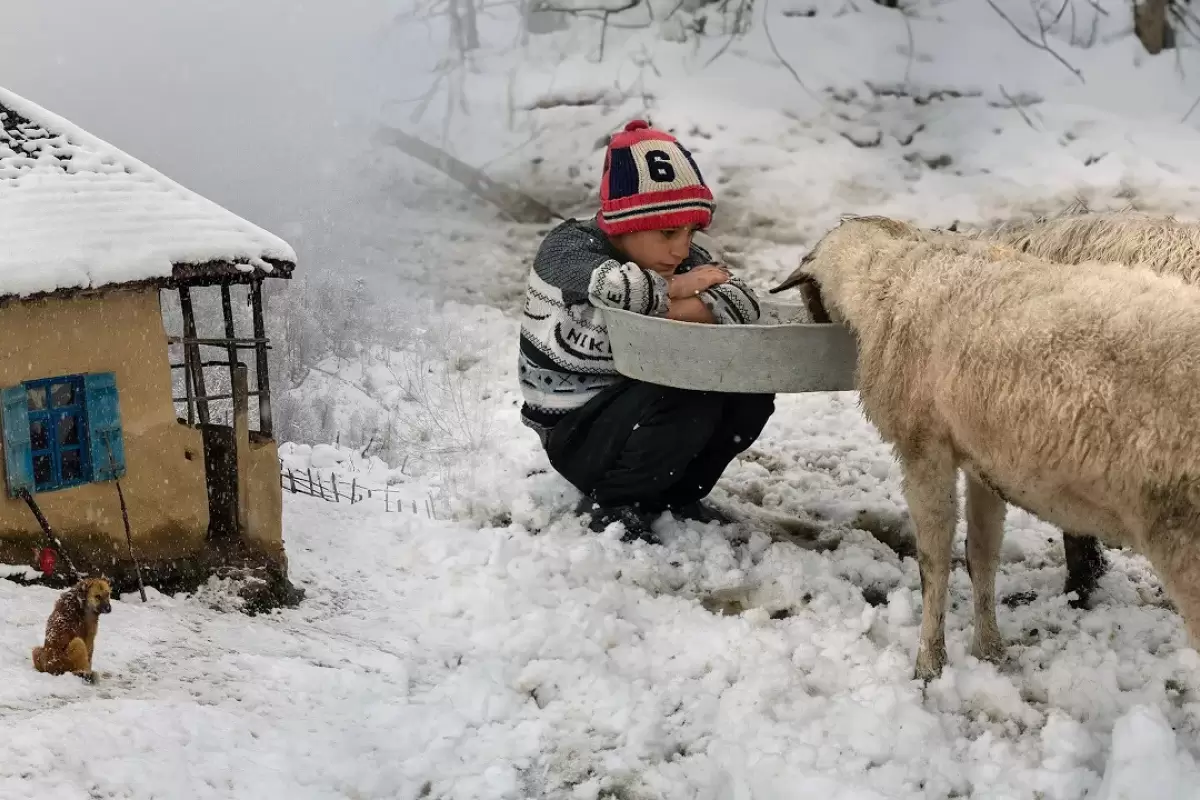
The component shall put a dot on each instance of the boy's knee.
(671, 402)
(753, 408)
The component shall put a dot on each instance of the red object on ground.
(46, 560)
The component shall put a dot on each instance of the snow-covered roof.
(77, 213)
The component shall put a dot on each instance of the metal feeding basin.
(779, 354)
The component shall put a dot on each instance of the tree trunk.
(1150, 23)
(470, 27)
(517, 205)
(463, 28)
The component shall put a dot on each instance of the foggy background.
(264, 107)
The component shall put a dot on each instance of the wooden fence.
(334, 490)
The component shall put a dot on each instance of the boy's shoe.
(637, 522)
(701, 512)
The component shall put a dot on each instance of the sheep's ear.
(798, 277)
(810, 292)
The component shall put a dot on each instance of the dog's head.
(97, 595)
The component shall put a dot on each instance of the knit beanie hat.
(650, 182)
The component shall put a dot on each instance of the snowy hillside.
(714, 668)
(942, 112)
(501, 651)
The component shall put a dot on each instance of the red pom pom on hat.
(637, 125)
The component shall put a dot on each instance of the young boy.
(633, 449)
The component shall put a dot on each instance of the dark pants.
(653, 445)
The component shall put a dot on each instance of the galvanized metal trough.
(779, 355)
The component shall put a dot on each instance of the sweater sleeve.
(576, 262)
(732, 302)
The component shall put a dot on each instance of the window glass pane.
(37, 398)
(39, 437)
(43, 469)
(63, 394)
(72, 465)
(68, 429)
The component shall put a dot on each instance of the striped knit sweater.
(565, 358)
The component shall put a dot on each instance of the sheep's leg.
(1086, 564)
(1172, 553)
(930, 493)
(985, 532)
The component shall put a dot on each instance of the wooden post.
(260, 353)
(353, 489)
(337, 498)
(241, 443)
(227, 312)
(192, 355)
(292, 478)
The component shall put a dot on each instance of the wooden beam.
(214, 397)
(231, 349)
(241, 444)
(261, 368)
(241, 344)
(192, 354)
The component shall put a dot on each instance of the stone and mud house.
(99, 254)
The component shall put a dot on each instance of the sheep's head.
(820, 267)
(810, 289)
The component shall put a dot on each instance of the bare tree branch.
(1043, 45)
(585, 10)
(911, 45)
(1058, 16)
(1190, 110)
(1013, 102)
(782, 60)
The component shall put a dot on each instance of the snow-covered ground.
(527, 657)
(510, 653)
(500, 650)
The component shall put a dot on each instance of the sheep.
(1160, 243)
(1065, 390)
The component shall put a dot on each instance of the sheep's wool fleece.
(565, 358)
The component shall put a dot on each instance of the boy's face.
(659, 251)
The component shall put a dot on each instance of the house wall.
(264, 509)
(122, 332)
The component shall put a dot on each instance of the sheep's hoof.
(989, 648)
(929, 666)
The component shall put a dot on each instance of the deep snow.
(501, 651)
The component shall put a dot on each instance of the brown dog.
(71, 629)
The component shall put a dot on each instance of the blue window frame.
(58, 432)
(61, 432)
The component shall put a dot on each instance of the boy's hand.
(695, 281)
